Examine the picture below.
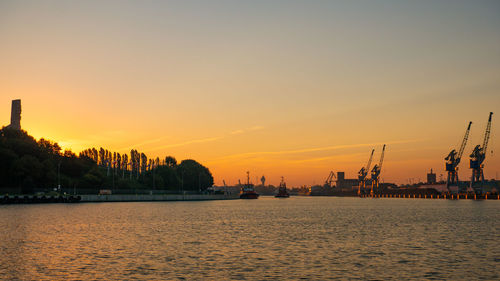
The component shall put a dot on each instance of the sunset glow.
(278, 88)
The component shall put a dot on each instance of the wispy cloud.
(255, 128)
(203, 140)
(241, 131)
(307, 150)
(141, 144)
(237, 132)
(319, 159)
(184, 143)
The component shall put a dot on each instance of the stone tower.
(15, 115)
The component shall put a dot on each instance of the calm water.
(296, 238)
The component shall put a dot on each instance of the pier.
(426, 194)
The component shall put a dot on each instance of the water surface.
(318, 238)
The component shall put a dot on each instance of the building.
(344, 183)
(15, 115)
(431, 178)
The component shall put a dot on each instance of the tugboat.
(247, 191)
(282, 193)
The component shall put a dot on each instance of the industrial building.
(431, 178)
(344, 184)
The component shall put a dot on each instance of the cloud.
(319, 159)
(237, 132)
(241, 131)
(255, 128)
(184, 143)
(141, 144)
(189, 142)
(306, 150)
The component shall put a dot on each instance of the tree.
(170, 161)
(170, 179)
(27, 170)
(194, 175)
(101, 157)
(125, 165)
(28, 165)
(144, 162)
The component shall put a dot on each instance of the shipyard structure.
(367, 184)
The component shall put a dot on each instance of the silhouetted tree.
(170, 161)
(27, 165)
(125, 165)
(144, 162)
(195, 176)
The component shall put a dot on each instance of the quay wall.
(155, 197)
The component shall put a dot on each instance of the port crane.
(453, 159)
(376, 172)
(477, 158)
(329, 179)
(362, 174)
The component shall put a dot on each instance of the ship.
(247, 190)
(282, 192)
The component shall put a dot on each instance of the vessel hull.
(249, 196)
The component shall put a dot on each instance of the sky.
(278, 88)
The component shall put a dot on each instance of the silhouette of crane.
(376, 172)
(329, 180)
(453, 159)
(362, 174)
(477, 158)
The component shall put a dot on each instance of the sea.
(298, 238)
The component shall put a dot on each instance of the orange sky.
(287, 88)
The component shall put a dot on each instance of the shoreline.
(155, 197)
(92, 198)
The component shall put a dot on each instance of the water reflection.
(311, 238)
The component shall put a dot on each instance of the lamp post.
(154, 184)
(59, 176)
(182, 182)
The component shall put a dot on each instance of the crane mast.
(453, 159)
(362, 174)
(477, 158)
(376, 172)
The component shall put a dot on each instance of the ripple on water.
(299, 238)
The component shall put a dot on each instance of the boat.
(247, 190)
(282, 192)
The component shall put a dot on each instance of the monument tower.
(15, 115)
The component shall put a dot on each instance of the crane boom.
(487, 134)
(369, 161)
(464, 142)
(381, 159)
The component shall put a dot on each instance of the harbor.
(249, 140)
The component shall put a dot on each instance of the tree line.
(28, 166)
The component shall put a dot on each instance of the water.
(316, 238)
